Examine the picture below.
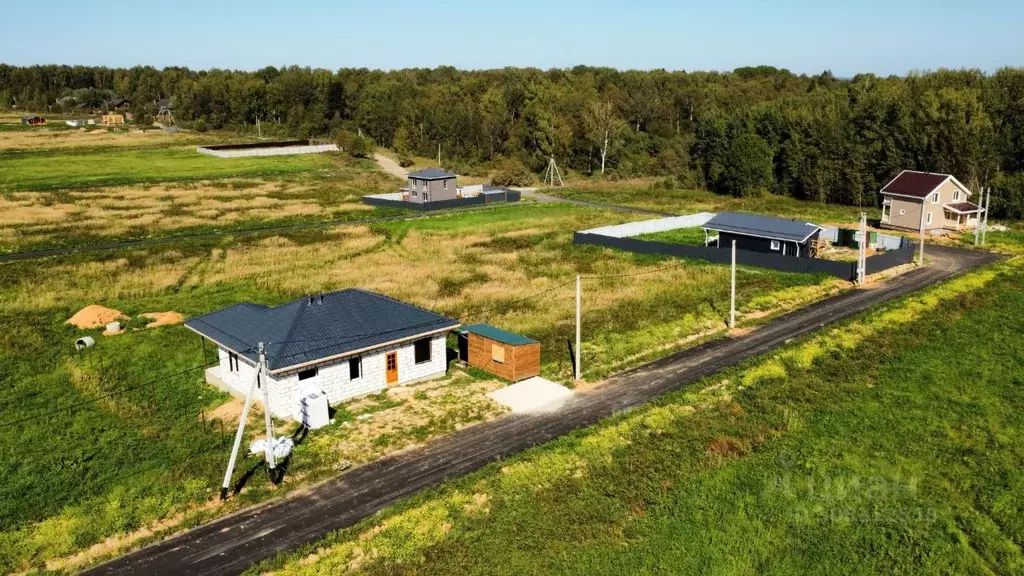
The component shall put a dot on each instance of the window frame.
(308, 373)
(956, 195)
(445, 184)
(776, 245)
(357, 363)
(427, 342)
(497, 353)
(232, 362)
(928, 218)
(934, 197)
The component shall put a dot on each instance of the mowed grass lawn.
(114, 440)
(63, 169)
(891, 444)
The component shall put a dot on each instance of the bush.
(357, 146)
(511, 172)
(405, 161)
(200, 125)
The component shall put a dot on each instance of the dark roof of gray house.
(432, 174)
(319, 327)
(913, 183)
(761, 226)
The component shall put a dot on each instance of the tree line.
(748, 131)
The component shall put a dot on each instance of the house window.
(935, 197)
(415, 193)
(426, 197)
(498, 353)
(776, 245)
(355, 368)
(445, 184)
(307, 374)
(232, 362)
(412, 182)
(956, 195)
(423, 184)
(928, 218)
(421, 350)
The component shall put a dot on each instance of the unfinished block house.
(346, 344)
(927, 201)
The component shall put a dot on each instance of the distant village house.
(33, 120)
(928, 201)
(431, 185)
(767, 234)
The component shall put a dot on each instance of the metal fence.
(650, 226)
(279, 149)
(394, 200)
(844, 270)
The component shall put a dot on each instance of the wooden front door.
(391, 367)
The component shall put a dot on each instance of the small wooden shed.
(510, 356)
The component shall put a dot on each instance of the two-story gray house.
(430, 185)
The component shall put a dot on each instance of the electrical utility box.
(314, 411)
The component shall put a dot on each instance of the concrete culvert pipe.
(84, 342)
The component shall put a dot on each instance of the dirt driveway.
(390, 166)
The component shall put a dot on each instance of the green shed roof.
(488, 331)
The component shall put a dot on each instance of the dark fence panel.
(442, 204)
(892, 258)
(844, 270)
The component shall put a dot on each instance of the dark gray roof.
(761, 226)
(432, 174)
(300, 332)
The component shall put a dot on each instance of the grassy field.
(891, 444)
(77, 189)
(645, 194)
(693, 236)
(147, 458)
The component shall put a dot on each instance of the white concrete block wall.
(333, 378)
(238, 380)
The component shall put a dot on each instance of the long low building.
(768, 234)
(345, 344)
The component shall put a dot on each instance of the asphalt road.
(233, 543)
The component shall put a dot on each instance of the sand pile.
(163, 318)
(95, 316)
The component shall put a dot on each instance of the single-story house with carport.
(346, 344)
(768, 234)
(926, 200)
(511, 356)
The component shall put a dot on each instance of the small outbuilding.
(768, 234)
(511, 356)
(33, 120)
(113, 119)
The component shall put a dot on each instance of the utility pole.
(268, 446)
(579, 296)
(732, 290)
(862, 249)
(241, 427)
(984, 229)
(977, 225)
(438, 154)
(259, 131)
(920, 253)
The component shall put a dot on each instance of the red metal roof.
(918, 184)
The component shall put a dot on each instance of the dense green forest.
(741, 132)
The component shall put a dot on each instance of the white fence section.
(282, 151)
(650, 226)
(388, 196)
(886, 241)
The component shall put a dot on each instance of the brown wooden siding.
(520, 361)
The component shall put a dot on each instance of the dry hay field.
(61, 188)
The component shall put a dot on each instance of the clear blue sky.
(893, 36)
